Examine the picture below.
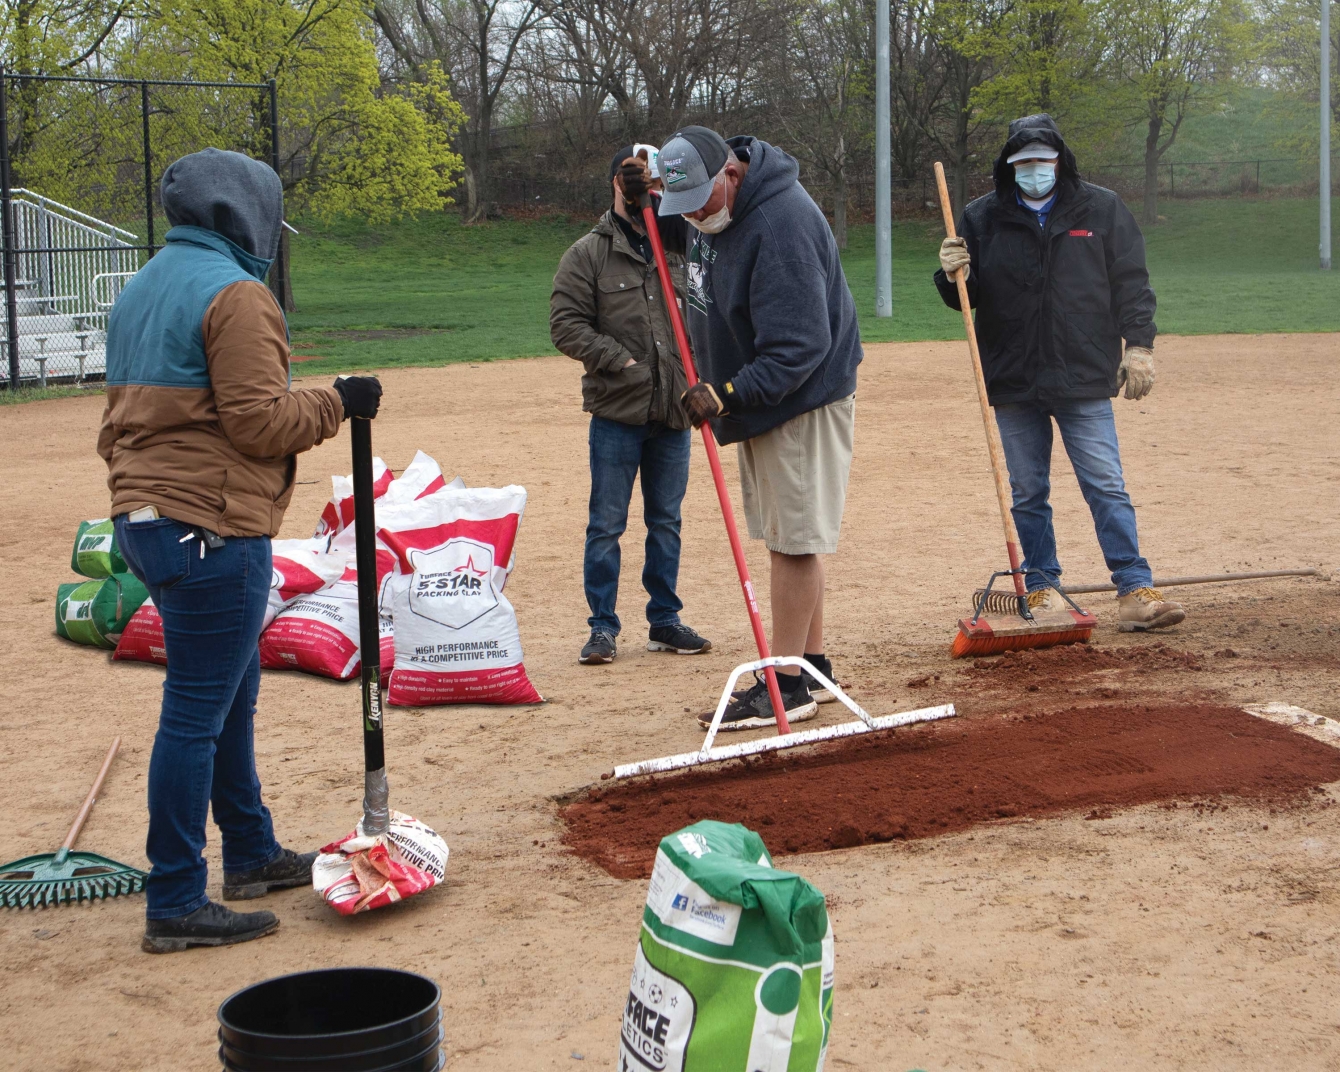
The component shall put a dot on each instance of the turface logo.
(453, 584)
(658, 1020)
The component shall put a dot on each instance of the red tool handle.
(714, 461)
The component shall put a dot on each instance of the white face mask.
(713, 224)
(720, 219)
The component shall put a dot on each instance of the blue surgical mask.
(1035, 178)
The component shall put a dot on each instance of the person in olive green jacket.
(607, 311)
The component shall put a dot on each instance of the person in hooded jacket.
(776, 341)
(1056, 272)
(200, 435)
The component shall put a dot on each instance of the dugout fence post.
(279, 281)
(7, 226)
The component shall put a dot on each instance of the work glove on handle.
(635, 178)
(703, 402)
(361, 395)
(954, 255)
(1136, 371)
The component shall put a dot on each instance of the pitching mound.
(951, 775)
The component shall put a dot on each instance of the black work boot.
(210, 924)
(291, 869)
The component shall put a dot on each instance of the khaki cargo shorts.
(794, 479)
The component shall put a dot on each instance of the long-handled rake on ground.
(765, 662)
(66, 876)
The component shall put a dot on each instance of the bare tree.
(477, 43)
(1171, 59)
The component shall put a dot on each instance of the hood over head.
(229, 193)
(771, 170)
(1025, 131)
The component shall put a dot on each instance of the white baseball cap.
(1034, 150)
(653, 157)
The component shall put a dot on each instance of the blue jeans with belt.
(619, 452)
(212, 609)
(1089, 434)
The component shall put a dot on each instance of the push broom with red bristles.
(1011, 626)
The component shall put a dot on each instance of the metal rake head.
(65, 877)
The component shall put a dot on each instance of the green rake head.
(65, 877)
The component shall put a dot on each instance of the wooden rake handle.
(993, 445)
(91, 799)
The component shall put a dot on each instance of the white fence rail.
(69, 269)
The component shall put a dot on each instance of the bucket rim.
(436, 1025)
(437, 1001)
(436, 1044)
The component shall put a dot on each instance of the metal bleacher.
(69, 269)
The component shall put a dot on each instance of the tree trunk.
(477, 174)
(840, 207)
(1151, 210)
(961, 161)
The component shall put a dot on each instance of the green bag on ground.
(95, 551)
(96, 612)
(734, 967)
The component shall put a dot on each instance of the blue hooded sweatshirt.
(768, 305)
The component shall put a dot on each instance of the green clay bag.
(95, 551)
(96, 612)
(734, 966)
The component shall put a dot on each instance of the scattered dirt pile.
(1022, 667)
(948, 776)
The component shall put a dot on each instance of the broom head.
(994, 634)
(65, 878)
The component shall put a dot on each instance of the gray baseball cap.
(689, 163)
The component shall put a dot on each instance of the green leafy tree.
(1291, 55)
(348, 144)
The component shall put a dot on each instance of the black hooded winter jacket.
(1053, 305)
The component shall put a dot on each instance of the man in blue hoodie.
(776, 342)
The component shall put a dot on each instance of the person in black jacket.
(1055, 268)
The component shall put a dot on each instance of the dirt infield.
(945, 777)
(1186, 938)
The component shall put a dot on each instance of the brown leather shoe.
(1145, 608)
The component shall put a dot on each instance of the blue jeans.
(212, 609)
(1090, 437)
(618, 453)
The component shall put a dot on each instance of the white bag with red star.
(456, 635)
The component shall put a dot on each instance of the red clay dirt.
(948, 776)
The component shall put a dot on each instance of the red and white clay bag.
(339, 512)
(457, 639)
(142, 640)
(358, 874)
(318, 632)
(300, 567)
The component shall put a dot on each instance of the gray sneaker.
(678, 638)
(599, 649)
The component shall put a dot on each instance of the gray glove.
(954, 255)
(1136, 371)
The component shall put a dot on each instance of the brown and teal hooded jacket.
(201, 421)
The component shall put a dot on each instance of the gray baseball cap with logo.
(689, 163)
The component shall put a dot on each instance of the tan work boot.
(1046, 601)
(1145, 608)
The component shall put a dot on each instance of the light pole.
(883, 191)
(1325, 135)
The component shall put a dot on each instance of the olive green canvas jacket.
(607, 307)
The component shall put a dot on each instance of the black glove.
(703, 402)
(635, 178)
(361, 395)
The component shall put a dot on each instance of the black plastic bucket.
(336, 1020)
